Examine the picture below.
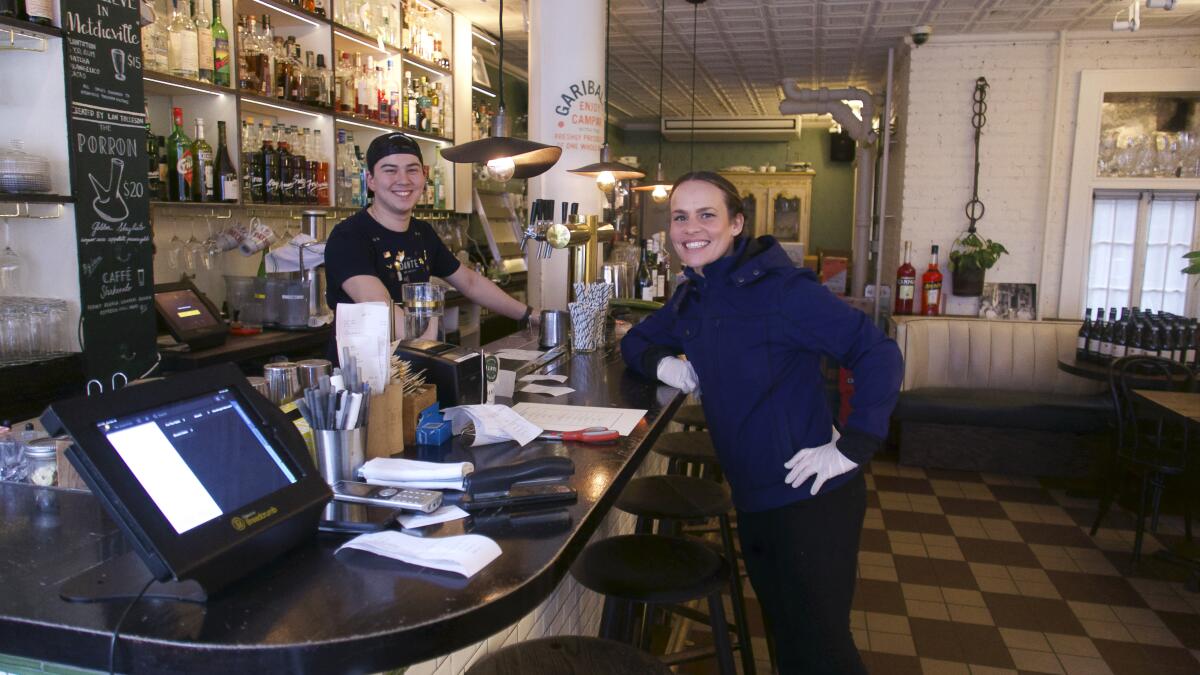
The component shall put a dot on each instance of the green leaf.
(1194, 268)
(1192, 254)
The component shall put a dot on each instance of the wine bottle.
(270, 169)
(12, 8)
(202, 174)
(164, 171)
(931, 286)
(220, 42)
(1084, 335)
(906, 283)
(1106, 336)
(179, 161)
(204, 41)
(645, 285)
(227, 187)
(1120, 338)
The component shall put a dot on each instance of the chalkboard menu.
(102, 54)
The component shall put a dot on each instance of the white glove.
(678, 373)
(823, 461)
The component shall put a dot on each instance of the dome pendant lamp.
(505, 157)
(660, 189)
(607, 172)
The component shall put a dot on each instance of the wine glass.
(10, 265)
(193, 250)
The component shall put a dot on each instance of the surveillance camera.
(920, 34)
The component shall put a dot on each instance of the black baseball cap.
(394, 143)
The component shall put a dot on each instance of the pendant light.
(660, 190)
(607, 172)
(692, 134)
(505, 157)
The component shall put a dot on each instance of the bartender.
(374, 252)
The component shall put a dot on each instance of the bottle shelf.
(294, 15)
(170, 85)
(483, 89)
(429, 66)
(9, 24)
(16, 198)
(351, 120)
(341, 32)
(285, 105)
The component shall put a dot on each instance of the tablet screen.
(185, 310)
(198, 458)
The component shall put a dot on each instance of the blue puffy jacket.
(754, 327)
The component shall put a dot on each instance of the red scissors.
(589, 435)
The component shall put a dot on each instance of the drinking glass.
(10, 265)
(193, 250)
(12, 458)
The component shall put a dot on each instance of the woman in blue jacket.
(753, 328)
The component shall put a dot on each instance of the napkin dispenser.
(457, 372)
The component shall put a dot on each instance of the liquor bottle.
(319, 7)
(664, 267)
(12, 8)
(906, 285)
(424, 103)
(249, 143)
(226, 187)
(644, 283)
(364, 196)
(153, 186)
(1085, 328)
(156, 41)
(439, 188)
(204, 41)
(435, 110)
(181, 56)
(270, 168)
(179, 161)
(300, 175)
(1192, 345)
(931, 286)
(266, 57)
(40, 12)
(220, 40)
(202, 174)
(286, 177)
(164, 171)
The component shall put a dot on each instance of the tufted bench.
(984, 395)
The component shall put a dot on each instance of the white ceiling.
(747, 46)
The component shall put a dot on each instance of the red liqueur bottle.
(906, 283)
(931, 286)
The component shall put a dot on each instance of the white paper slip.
(412, 521)
(400, 469)
(505, 382)
(519, 354)
(465, 554)
(494, 423)
(456, 484)
(535, 377)
(546, 389)
(558, 417)
(363, 329)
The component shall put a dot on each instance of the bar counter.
(310, 611)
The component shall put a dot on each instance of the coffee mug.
(231, 237)
(257, 238)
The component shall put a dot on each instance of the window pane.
(1159, 227)
(1110, 263)
(1169, 237)
(1125, 225)
(1183, 222)
(1098, 272)
(1156, 267)
(1174, 302)
(1120, 275)
(1102, 220)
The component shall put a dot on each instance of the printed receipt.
(363, 329)
(494, 423)
(465, 554)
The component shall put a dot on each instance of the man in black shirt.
(371, 254)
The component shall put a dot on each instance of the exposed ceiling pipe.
(823, 101)
(884, 125)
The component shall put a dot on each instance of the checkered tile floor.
(978, 574)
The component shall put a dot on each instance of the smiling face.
(397, 181)
(701, 228)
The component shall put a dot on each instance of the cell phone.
(410, 499)
(521, 496)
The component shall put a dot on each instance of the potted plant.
(970, 258)
(1193, 266)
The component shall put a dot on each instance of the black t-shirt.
(359, 245)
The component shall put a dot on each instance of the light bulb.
(606, 181)
(501, 169)
(660, 193)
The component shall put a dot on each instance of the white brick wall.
(570, 610)
(935, 165)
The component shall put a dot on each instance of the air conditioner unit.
(746, 129)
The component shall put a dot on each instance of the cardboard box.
(386, 423)
(413, 405)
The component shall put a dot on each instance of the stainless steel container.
(259, 384)
(554, 327)
(311, 370)
(283, 382)
(340, 452)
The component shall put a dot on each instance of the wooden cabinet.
(778, 204)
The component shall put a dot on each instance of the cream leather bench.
(984, 395)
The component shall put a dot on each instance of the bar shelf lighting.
(281, 107)
(182, 86)
(276, 8)
(363, 43)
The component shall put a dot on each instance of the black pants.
(801, 560)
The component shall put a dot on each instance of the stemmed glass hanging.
(10, 265)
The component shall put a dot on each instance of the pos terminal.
(205, 477)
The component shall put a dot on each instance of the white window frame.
(1093, 85)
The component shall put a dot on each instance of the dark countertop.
(238, 348)
(310, 611)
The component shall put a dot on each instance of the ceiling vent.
(744, 129)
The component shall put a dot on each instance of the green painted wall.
(833, 186)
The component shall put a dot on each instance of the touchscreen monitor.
(189, 316)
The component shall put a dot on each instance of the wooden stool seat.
(569, 655)
(689, 446)
(675, 498)
(651, 568)
(691, 416)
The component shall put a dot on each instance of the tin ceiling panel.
(745, 47)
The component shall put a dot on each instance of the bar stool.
(569, 655)
(691, 417)
(672, 499)
(653, 570)
(689, 453)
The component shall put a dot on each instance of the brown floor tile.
(872, 499)
(914, 570)
(879, 663)
(937, 639)
(1058, 535)
(1124, 658)
(997, 552)
(878, 596)
(954, 573)
(1186, 627)
(1096, 588)
(908, 521)
(948, 474)
(874, 540)
(917, 486)
(1034, 614)
(983, 645)
(1028, 495)
(1170, 657)
(978, 508)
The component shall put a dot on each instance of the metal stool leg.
(739, 601)
(720, 632)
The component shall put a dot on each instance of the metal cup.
(311, 370)
(260, 385)
(340, 452)
(554, 328)
(283, 381)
